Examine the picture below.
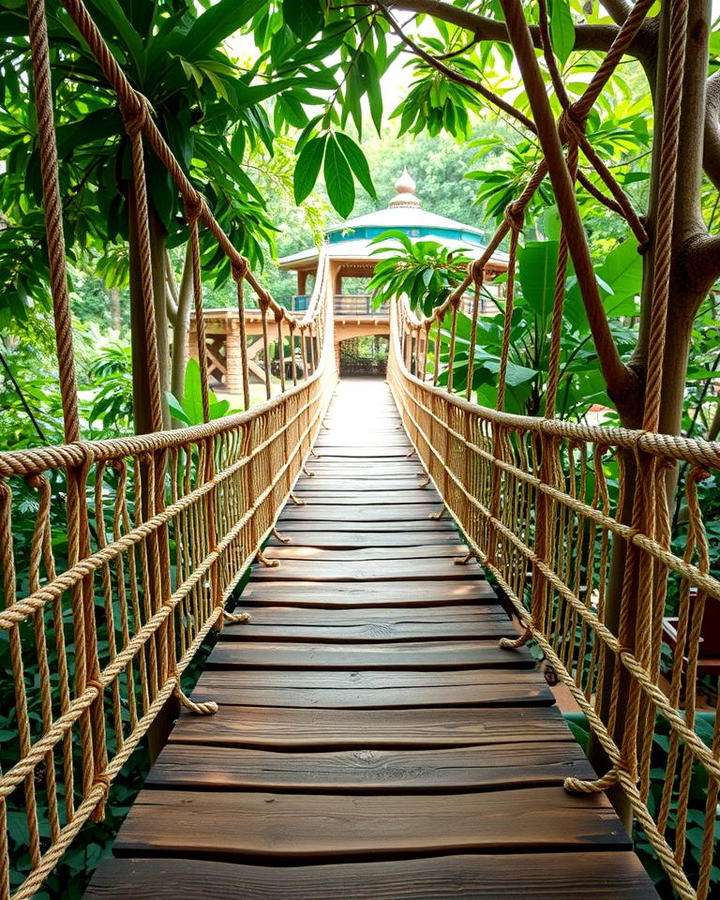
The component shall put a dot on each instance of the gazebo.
(350, 253)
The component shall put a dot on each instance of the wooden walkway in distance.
(373, 741)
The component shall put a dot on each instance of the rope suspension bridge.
(369, 721)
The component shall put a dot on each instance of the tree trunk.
(684, 303)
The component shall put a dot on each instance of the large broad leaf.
(358, 163)
(537, 264)
(307, 168)
(562, 28)
(338, 178)
(219, 22)
(622, 272)
(304, 17)
(619, 281)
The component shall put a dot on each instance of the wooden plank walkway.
(373, 741)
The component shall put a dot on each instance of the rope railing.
(571, 519)
(136, 544)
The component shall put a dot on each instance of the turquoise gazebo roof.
(352, 240)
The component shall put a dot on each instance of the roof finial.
(405, 196)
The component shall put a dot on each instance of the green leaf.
(537, 263)
(358, 163)
(304, 17)
(338, 179)
(219, 22)
(562, 29)
(307, 168)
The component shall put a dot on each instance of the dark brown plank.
(490, 688)
(378, 625)
(183, 766)
(275, 826)
(348, 595)
(423, 569)
(338, 729)
(490, 629)
(601, 875)
(409, 655)
(302, 616)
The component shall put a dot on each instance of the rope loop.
(476, 272)
(136, 113)
(515, 217)
(193, 207)
(240, 268)
(571, 125)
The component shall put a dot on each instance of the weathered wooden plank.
(321, 484)
(600, 875)
(381, 570)
(369, 538)
(337, 729)
(302, 616)
(328, 512)
(299, 551)
(491, 629)
(409, 655)
(182, 766)
(226, 688)
(273, 826)
(376, 593)
(376, 498)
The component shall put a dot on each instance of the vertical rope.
(515, 223)
(239, 272)
(133, 126)
(54, 231)
(476, 273)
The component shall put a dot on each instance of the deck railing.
(119, 556)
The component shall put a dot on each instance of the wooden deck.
(372, 740)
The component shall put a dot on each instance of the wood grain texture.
(385, 570)
(286, 826)
(230, 688)
(348, 595)
(410, 655)
(298, 551)
(356, 540)
(367, 713)
(601, 875)
(473, 768)
(337, 729)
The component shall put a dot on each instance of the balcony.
(346, 306)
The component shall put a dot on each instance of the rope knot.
(193, 208)
(571, 125)
(136, 114)
(476, 272)
(240, 269)
(514, 216)
(94, 683)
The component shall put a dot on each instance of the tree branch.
(587, 37)
(452, 74)
(618, 10)
(711, 142)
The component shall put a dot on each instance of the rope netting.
(160, 528)
(534, 499)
